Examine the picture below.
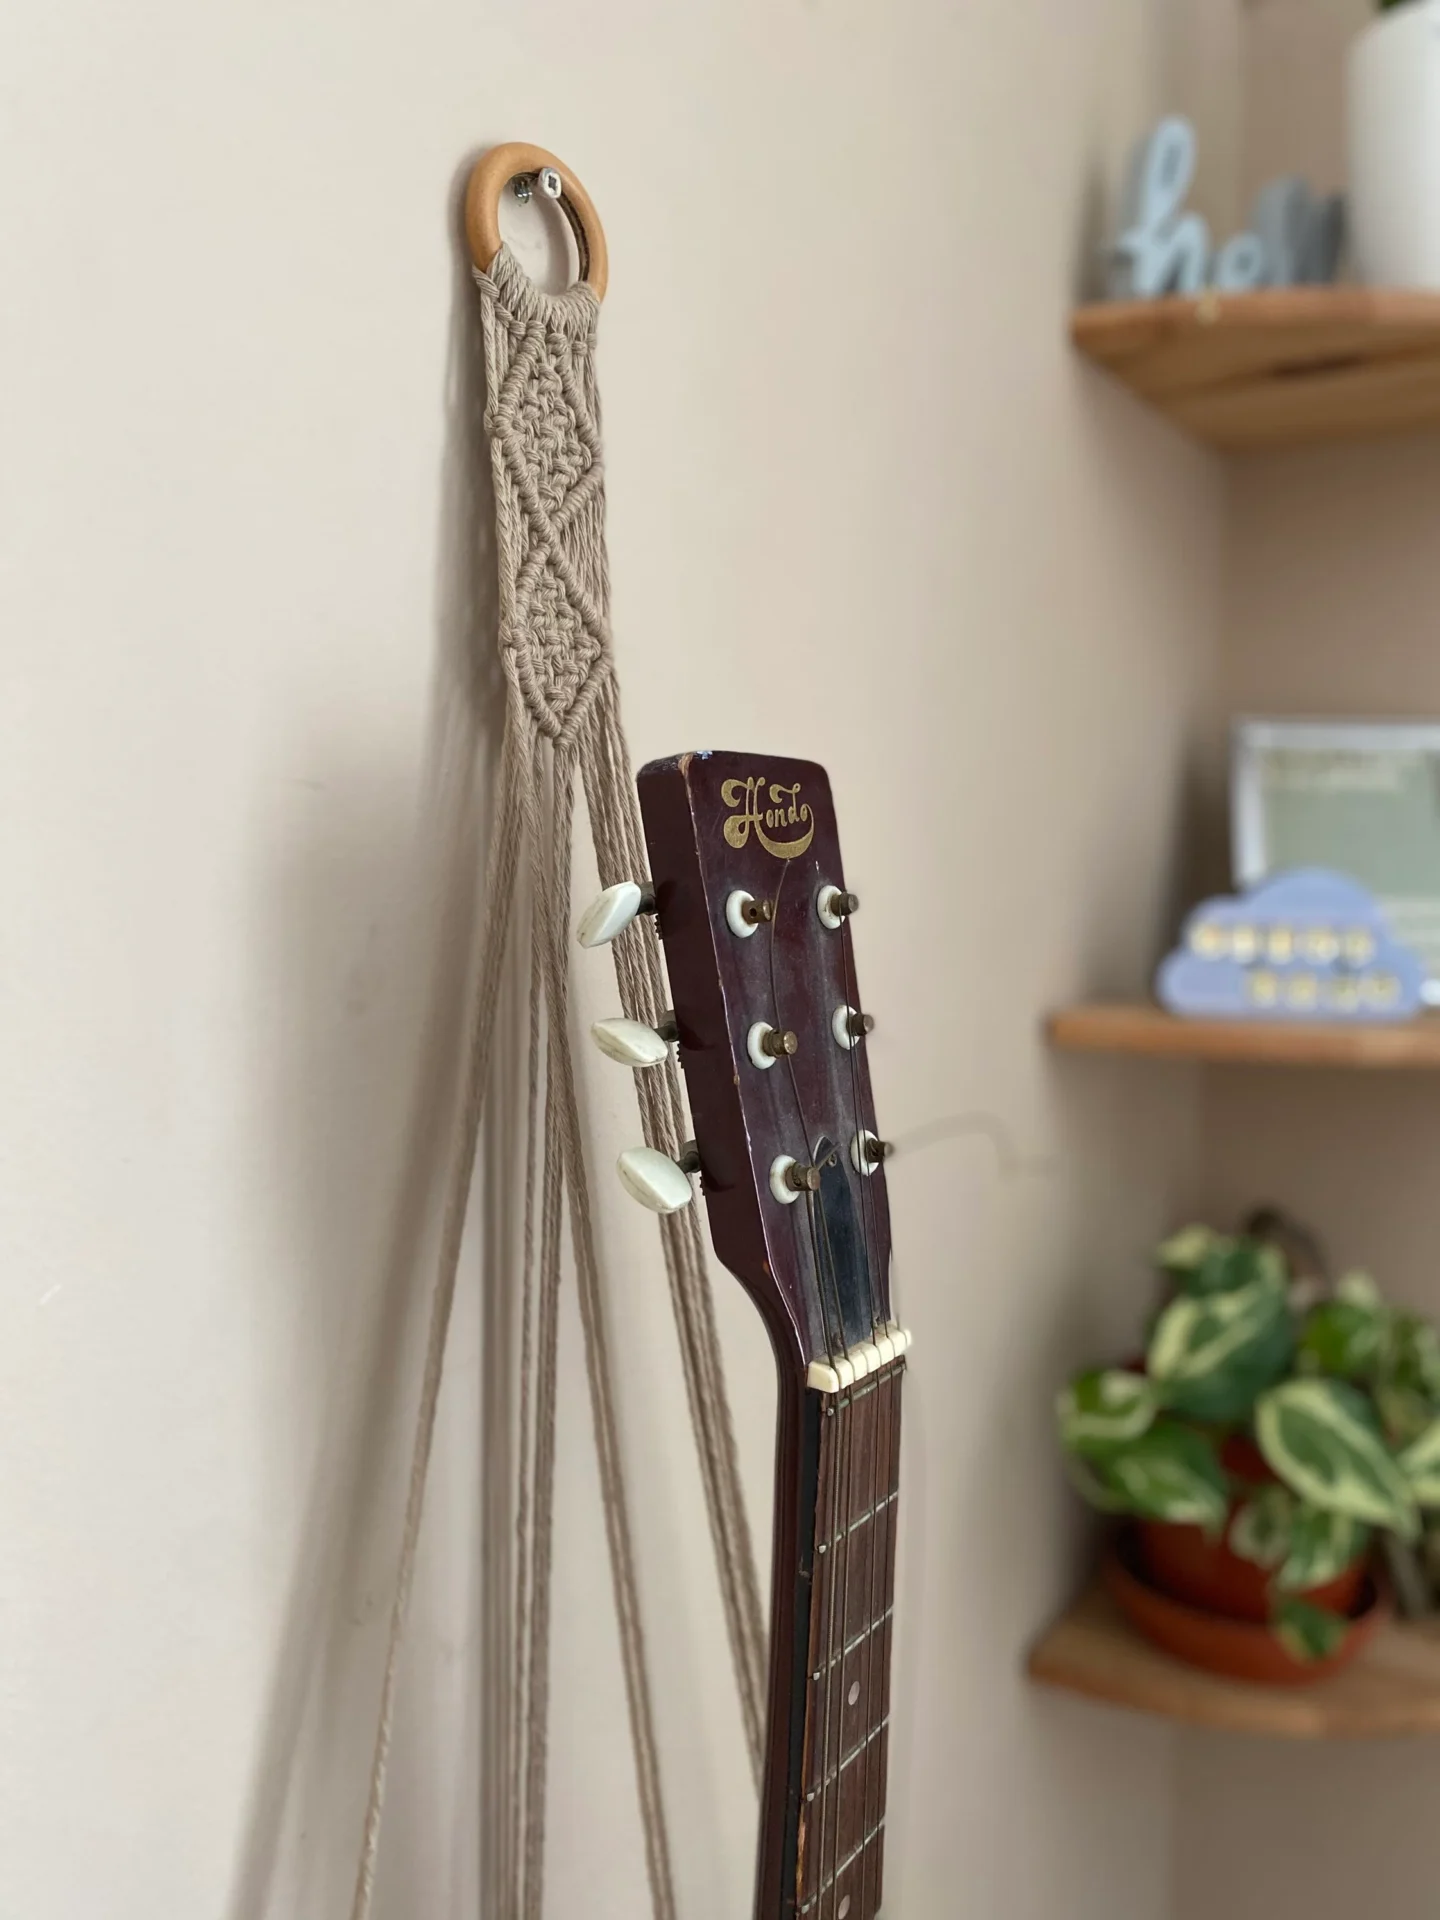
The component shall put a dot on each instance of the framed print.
(1361, 797)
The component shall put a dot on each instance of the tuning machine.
(657, 1181)
(632, 1043)
(611, 912)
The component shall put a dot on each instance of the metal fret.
(850, 1645)
(824, 1786)
(869, 1514)
(852, 1608)
(848, 1862)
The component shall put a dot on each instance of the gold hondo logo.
(767, 808)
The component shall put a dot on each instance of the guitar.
(755, 918)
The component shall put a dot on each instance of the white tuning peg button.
(654, 1179)
(612, 912)
(630, 1042)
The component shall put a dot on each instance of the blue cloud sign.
(1305, 945)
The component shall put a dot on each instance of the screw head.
(548, 181)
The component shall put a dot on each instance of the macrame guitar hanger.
(562, 728)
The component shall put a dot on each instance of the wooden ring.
(490, 176)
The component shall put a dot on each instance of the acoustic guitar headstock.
(755, 917)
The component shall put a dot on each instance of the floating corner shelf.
(1148, 1031)
(1393, 1688)
(1282, 367)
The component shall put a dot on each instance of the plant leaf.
(1405, 1414)
(1211, 1354)
(1306, 1632)
(1183, 1252)
(1322, 1546)
(1102, 1408)
(1415, 1355)
(1171, 1473)
(1261, 1530)
(1358, 1289)
(1321, 1438)
(1090, 1485)
(1223, 1264)
(1420, 1464)
(1343, 1338)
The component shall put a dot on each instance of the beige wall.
(865, 506)
(1333, 578)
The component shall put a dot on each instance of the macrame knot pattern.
(542, 419)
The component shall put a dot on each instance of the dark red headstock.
(752, 908)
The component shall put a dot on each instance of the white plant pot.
(1394, 132)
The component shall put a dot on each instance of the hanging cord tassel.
(562, 714)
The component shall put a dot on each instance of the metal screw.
(549, 183)
(523, 186)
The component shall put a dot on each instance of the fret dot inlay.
(854, 1693)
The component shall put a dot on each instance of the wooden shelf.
(1150, 1031)
(1393, 1687)
(1278, 368)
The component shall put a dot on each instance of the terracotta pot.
(1184, 1563)
(1235, 1649)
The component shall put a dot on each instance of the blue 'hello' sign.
(1294, 238)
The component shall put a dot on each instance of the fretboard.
(847, 1590)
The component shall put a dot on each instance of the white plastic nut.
(779, 1182)
(861, 1157)
(735, 909)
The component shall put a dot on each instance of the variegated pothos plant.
(1341, 1397)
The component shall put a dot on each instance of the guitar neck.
(750, 900)
(823, 1831)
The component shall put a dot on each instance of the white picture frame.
(1359, 796)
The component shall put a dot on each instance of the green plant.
(1341, 1397)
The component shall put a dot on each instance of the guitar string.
(834, 1343)
(845, 1464)
(840, 1474)
(878, 1588)
(870, 1237)
(882, 1552)
(869, 1206)
(878, 1284)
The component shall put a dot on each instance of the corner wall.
(1333, 577)
(865, 505)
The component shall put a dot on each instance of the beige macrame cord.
(562, 718)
